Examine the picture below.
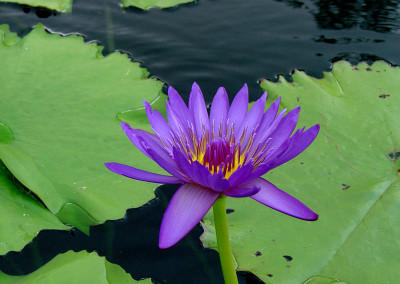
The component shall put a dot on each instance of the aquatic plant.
(218, 155)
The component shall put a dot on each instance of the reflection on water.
(379, 16)
(229, 42)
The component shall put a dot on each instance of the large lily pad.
(64, 6)
(22, 217)
(63, 100)
(349, 176)
(147, 4)
(72, 267)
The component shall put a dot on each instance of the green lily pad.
(64, 6)
(75, 267)
(62, 100)
(147, 4)
(22, 217)
(349, 176)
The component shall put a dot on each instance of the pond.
(214, 43)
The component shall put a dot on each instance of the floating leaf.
(349, 176)
(64, 6)
(22, 217)
(147, 4)
(72, 267)
(62, 100)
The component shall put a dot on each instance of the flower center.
(220, 152)
(219, 155)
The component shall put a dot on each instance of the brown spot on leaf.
(288, 258)
(229, 210)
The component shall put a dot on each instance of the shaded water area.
(215, 43)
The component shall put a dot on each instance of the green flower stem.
(224, 246)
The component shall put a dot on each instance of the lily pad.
(63, 102)
(75, 267)
(22, 217)
(349, 176)
(147, 4)
(64, 6)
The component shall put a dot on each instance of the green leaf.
(72, 267)
(64, 6)
(62, 102)
(349, 176)
(147, 4)
(22, 217)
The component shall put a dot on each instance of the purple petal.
(178, 104)
(178, 126)
(252, 119)
(185, 210)
(219, 111)
(267, 127)
(198, 110)
(239, 106)
(242, 191)
(137, 174)
(196, 172)
(241, 175)
(160, 156)
(285, 128)
(158, 124)
(279, 200)
(217, 182)
(132, 135)
(271, 112)
(298, 145)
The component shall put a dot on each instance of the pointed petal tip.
(313, 217)
(195, 85)
(109, 165)
(163, 245)
(264, 96)
(125, 126)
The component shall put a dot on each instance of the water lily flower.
(223, 153)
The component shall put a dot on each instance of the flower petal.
(241, 175)
(178, 127)
(242, 191)
(137, 174)
(178, 104)
(252, 120)
(217, 182)
(298, 144)
(219, 111)
(279, 200)
(158, 124)
(185, 210)
(161, 157)
(270, 114)
(285, 128)
(267, 126)
(198, 110)
(132, 135)
(239, 106)
(196, 172)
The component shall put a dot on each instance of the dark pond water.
(215, 43)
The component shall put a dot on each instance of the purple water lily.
(224, 153)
